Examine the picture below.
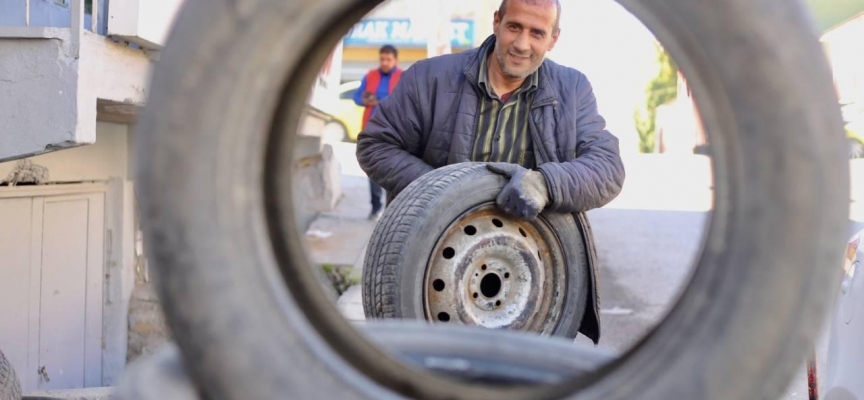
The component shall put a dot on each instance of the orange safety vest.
(373, 80)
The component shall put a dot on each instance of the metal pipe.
(77, 25)
(94, 17)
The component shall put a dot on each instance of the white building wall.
(107, 160)
(38, 95)
(844, 45)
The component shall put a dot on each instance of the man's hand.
(526, 195)
(370, 99)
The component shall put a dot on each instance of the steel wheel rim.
(496, 271)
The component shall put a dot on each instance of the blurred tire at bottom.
(458, 352)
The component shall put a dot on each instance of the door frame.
(30, 377)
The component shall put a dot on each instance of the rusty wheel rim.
(496, 271)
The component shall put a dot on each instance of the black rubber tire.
(396, 258)
(160, 376)
(472, 354)
(215, 192)
(10, 386)
(459, 352)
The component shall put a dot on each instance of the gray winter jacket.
(429, 121)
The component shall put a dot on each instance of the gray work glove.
(526, 195)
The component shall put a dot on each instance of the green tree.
(661, 90)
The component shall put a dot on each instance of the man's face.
(387, 62)
(524, 36)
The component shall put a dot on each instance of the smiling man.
(533, 121)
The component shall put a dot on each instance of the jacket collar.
(545, 92)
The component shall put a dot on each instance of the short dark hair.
(389, 49)
(502, 9)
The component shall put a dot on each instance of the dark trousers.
(377, 194)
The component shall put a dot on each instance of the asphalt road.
(645, 259)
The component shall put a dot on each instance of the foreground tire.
(10, 386)
(214, 150)
(160, 376)
(500, 272)
(471, 354)
(463, 353)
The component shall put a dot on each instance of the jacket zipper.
(535, 135)
(474, 131)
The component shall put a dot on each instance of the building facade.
(409, 25)
(73, 79)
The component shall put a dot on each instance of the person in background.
(375, 87)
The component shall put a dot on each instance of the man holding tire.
(534, 121)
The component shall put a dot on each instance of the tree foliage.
(661, 90)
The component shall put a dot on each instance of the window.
(88, 5)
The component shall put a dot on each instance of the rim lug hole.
(498, 303)
(476, 295)
(449, 253)
(506, 275)
(483, 267)
(438, 285)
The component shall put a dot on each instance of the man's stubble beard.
(510, 74)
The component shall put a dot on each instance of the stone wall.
(147, 328)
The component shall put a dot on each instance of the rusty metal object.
(812, 378)
(496, 271)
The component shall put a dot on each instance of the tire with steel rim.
(461, 260)
(214, 153)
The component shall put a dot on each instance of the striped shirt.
(502, 123)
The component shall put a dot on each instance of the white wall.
(48, 93)
(38, 96)
(145, 22)
(112, 71)
(107, 160)
(101, 161)
(846, 53)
